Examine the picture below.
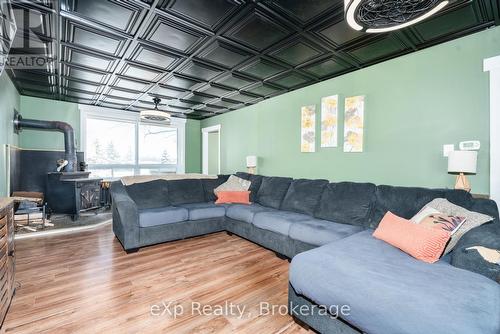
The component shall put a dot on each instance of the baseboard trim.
(61, 231)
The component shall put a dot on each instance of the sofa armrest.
(125, 217)
(487, 235)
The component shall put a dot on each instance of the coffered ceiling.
(208, 57)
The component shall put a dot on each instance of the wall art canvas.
(308, 129)
(354, 123)
(329, 121)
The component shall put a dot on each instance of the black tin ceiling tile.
(121, 15)
(262, 69)
(126, 94)
(291, 80)
(82, 85)
(140, 72)
(35, 21)
(182, 104)
(207, 13)
(212, 109)
(326, 67)
(198, 70)
(154, 57)
(263, 90)
(442, 25)
(243, 98)
(198, 98)
(117, 100)
(297, 52)
(234, 81)
(226, 103)
(131, 84)
(85, 74)
(305, 12)
(182, 82)
(224, 54)
(166, 91)
(88, 59)
(378, 48)
(80, 94)
(173, 35)
(257, 31)
(338, 32)
(213, 89)
(94, 39)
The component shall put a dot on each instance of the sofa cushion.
(186, 191)
(320, 232)
(210, 184)
(388, 291)
(272, 191)
(161, 216)
(254, 187)
(402, 201)
(278, 221)
(149, 195)
(303, 196)
(347, 203)
(245, 212)
(204, 210)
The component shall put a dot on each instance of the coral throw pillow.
(422, 242)
(241, 197)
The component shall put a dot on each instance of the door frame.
(204, 140)
(492, 65)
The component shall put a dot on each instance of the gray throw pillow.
(234, 183)
(473, 219)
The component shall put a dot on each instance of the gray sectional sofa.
(326, 229)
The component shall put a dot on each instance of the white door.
(211, 150)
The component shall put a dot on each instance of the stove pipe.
(69, 135)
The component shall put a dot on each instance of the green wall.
(193, 146)
(414, 105)
(9, 100)
(49, 110)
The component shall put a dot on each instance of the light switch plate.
(470, 145)
(447, 149)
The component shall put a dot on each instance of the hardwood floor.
(85, 283)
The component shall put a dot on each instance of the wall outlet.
(447, 149)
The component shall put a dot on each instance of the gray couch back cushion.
(402, 201)
(303, 196)
(347, 203)
(186, 191)
(273, 190)
(210, 184)
(149, 195)
(256, 181)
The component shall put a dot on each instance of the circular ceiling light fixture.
(378, 16)
(155, 115)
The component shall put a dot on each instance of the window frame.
(108, 114)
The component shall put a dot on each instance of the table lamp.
(461, 163)
(251, 164)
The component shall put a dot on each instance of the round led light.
(379, 16)
(155, 115)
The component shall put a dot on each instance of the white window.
(116, 143)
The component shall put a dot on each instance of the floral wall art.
(308, 129)
(329, 121)
(354, 124)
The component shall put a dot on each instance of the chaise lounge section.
(326, 229)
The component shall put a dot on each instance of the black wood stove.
(73, 192)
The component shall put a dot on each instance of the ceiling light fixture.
(379, 16)
(155, 115)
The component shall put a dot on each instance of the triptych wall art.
(354, 108)
(308, 129)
